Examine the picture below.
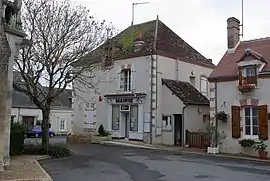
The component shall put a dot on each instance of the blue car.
(36, 131)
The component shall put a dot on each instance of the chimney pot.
(233, 32)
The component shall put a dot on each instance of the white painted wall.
(228, 95)
(110, 84)
(55, 117)
(177, 70)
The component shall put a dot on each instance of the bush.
(102, 132)
(55, 150)
(246, 143)
(17, 136)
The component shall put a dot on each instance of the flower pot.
(262, 154)
(213, 150)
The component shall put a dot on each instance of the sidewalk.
(179, 150)
(24, 168)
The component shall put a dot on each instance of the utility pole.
(242, 24)
(132, 22)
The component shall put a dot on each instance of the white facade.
(60, 120)
(90, 111)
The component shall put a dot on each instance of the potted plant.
(216, 139)
(261, 147)
(246, 87)
(222, 116)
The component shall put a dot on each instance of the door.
(178, 130)
(28, 121)
(127, 122)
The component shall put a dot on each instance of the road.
(112, 163)
(55, 139)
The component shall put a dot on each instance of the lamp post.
(132, 22)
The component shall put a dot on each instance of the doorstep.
(180, 150)
(24, 168)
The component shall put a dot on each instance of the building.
(12, 39)
(151, 89)
(25, 111)
(240, 88)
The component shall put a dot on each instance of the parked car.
(36, 131)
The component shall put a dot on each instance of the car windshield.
(37, 128)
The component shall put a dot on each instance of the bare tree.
(61, 34)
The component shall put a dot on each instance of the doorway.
(178, 130)
(126, 121)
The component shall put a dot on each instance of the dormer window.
(250, 71)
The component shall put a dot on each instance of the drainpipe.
(151, 96)
(216, 121)
(183, 118)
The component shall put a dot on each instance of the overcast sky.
(201, 23)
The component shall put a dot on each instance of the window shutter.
(236, 132)
(263, 122)
(118, 80)
(240, 75)
(133, 77)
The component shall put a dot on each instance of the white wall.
(109, 83)
(176, 70)
(228, 95)
(55, 117)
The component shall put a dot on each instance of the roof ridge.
(256, 39)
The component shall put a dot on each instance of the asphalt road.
(111, 163)
(55, 139)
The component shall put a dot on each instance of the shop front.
(125, 118)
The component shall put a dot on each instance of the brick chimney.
(233, 32)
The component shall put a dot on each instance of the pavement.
(97, 162)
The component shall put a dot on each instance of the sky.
(201, 23)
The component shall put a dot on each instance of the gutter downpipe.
(216, 121)
(151, 96)
(183, 124)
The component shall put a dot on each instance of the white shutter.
(118, 80)
(133, 78)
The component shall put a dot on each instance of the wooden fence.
(197, 139)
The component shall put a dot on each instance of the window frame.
(202, 79)
(116, 126)
(167, 119)
(245, 68)
(126, 86)
(251, 136)
(134, 128)
(64, 125)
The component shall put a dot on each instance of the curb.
(48, 177)
(185, 152)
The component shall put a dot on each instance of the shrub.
(102, 131)
(246, 143)
(55, 150)
(17, 136)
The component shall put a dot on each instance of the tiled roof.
(186, 92)
(167, 42)
(227, 67)
(21, 100)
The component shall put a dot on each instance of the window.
(134, 118)
(250, 71)
(125, 80)
(192, 80)
(115, 117)
(204, 86)
(251, 122)
(167, 122)
(62, 125)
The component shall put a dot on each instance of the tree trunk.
(45, 130)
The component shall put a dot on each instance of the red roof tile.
(227, 67)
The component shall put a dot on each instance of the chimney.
(233, 32)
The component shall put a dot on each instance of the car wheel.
(51, 135)
(37, 135)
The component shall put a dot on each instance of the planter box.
(213, 150)
(98, 139)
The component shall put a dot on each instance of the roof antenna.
(242, 25)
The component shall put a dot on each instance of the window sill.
(255, 138)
